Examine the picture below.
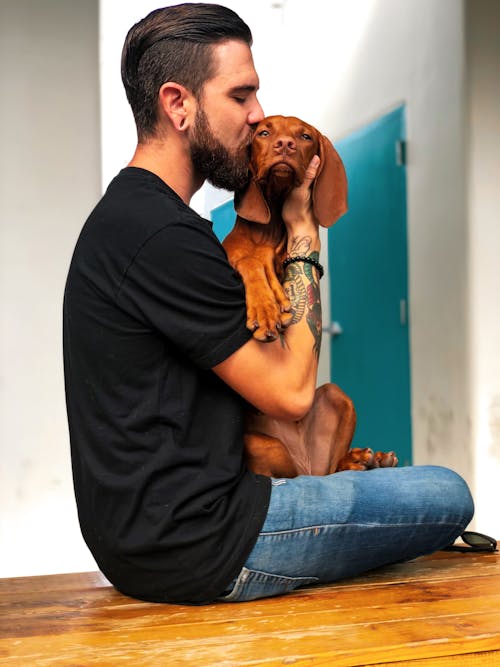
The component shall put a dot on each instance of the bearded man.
(159, 364)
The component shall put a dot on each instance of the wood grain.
(438, 610)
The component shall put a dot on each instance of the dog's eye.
(306, 137)
(263, 133)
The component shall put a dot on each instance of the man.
(159, 363)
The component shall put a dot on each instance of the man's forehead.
(234, 66)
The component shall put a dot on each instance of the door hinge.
(334, 329)
(401, 152)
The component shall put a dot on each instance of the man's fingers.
(298, 204)
(311, 170)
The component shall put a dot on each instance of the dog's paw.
(266, 320)
(385, 460)
(357, 458)
(265, 333)
(364, 458)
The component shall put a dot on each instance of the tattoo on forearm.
(296, 291)
(301, 284)
(299, 245)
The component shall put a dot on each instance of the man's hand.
(297, 210)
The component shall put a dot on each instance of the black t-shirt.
(165, 502)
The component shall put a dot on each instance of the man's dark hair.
(174, 44)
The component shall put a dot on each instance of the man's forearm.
(301, 283)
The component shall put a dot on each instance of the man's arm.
(279, 378)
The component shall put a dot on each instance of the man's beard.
(213, 161)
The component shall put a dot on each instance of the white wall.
(483, 49)
(49, 179)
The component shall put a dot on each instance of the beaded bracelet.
(307, 260)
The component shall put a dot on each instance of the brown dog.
(282, 149)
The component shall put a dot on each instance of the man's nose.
(256, 114)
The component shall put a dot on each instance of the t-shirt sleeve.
(182, 285)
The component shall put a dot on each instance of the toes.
(266, 323)
(286, 319)
(366, 456)
(363, 458)
(265, 330)
(357, 458)
(253, 325)
(386, 459)
(265, 335)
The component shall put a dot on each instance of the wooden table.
(438, 610)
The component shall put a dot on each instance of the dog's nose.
(285, 144)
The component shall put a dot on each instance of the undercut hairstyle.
(174, 44)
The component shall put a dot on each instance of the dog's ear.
(330, 186)
(250, 204)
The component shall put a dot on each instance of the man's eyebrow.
(244, 89)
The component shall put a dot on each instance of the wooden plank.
(243, 644)
(14, 586)
(442, 565)
(356, 603)
(426, 630)
(440, 610)
(485, 659)
(453, 566)
(33, 609)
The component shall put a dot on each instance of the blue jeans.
(321, 529)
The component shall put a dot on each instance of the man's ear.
(178, 104)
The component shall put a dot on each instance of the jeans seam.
(263, 573)
(350, 524)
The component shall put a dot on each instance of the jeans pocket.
(252, 584)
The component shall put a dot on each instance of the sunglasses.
(475, 541)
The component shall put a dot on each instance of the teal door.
(367, 258)
(223, 218)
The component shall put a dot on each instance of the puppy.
(282, 149)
